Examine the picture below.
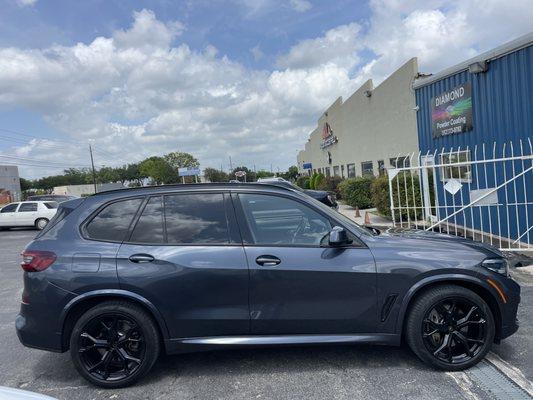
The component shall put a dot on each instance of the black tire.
(429, 330)
(41, 223)
(147, 339)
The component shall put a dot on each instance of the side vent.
(387, 305)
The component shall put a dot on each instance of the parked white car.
(27, 213)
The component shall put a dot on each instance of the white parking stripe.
(511, 372)
(464, 382)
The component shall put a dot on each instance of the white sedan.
(27, 213)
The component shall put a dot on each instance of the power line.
(45, 162)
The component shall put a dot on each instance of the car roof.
(264, 186)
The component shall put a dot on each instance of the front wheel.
(450, 327)
(114, 344)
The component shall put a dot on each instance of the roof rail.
(194, 185)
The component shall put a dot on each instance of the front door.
(8, 214)
(185, 256)
(299, 285)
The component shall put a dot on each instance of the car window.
(275, 220)
(50, 205)
(28, 207)
(113, 221)
(9, 208)
(198, 218)
(149, 228)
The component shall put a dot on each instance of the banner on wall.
(451, 111)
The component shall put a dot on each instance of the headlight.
(499, 265)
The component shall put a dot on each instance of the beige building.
(364, 134)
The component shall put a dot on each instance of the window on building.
(328, 172)
(462, 173)
(367, 168)
(400, 162)
(336, 171)
(381, 167)
(196, 218)
(113, 222)
(342, 171)
(351, 170)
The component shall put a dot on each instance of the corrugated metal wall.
(502, 104)
(502, 107)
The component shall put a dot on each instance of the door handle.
(267, 261)
(141, 258)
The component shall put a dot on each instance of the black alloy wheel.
(454, 330)
(450, 327)
(114, 344)
(111, 347)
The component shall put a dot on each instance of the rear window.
(149, 228)
(50, 205)
(113, 221)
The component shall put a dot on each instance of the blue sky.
(240, 78)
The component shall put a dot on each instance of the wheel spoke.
(467, 316)
(431, 333)
(449, 347)
(124, 355)
(443, 345)
(441, 310)
(466, 323)
(464, 341)
(435, 325)
(97, 343)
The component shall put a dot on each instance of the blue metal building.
(479, 114)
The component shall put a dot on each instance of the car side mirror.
(338, 237)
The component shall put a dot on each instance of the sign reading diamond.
(453, 186)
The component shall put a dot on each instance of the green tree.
(215, 175)
(181, 160)
(158, 170)
(291, 174)
(263, 174)
(108, 174)
(25, 184)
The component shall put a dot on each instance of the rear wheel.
(450, 327)
(114, 344)
(41, 223)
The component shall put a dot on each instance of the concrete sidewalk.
(375, 219)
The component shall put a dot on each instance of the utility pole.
(92, 164)
(230, 164)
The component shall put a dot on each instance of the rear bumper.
(33, 333)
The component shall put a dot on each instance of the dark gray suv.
(121, 276)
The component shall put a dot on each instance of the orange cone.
(367, 218)
(357, 213)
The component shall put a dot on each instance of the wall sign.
(328, 138)
(451, 111)
(188, 171)
(307, 165)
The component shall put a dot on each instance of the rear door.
(185, 256)
(27, 213)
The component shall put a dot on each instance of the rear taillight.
(36, 260)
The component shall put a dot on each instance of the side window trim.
(234, 235)
(85, 235)
(247, 235)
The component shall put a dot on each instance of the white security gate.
(485, 193)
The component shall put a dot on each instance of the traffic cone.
(357, 213)
(367, 218)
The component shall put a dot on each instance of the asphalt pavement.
(322, 372)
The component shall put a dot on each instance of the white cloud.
(26, 3)
(301, 5)
(140, 92)
(338, 46)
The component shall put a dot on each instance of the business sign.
(308, 165)
(188, 171)
(451, 111)
(328, 138)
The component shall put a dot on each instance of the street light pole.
(92, 164)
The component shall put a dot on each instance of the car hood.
(438, 237)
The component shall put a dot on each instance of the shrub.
(331, 184)
(319, 182)
(303, 182)
(409, 194)
(356, 191)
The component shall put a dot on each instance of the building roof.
(509, 47)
